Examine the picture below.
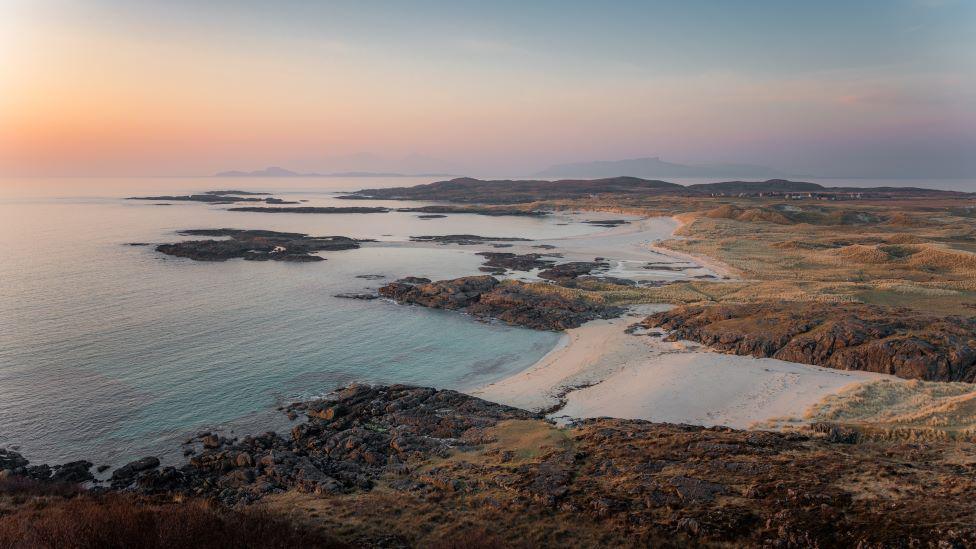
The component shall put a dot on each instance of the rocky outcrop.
(446, 458)
(537, 306)
(209, 198)
(465, 239)
(347, 443)
(845, 336)
(357, 295)
(236, 192)
(256, 245)
(573, 269)
(218, 197)
(12, 464)
(124, 476)
(610, 223)
(499, 262)
(492, 211)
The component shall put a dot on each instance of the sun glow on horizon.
(113, 89)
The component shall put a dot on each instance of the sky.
(830, 88)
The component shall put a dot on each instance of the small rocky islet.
(256, 245)
(217, 197)
(465, 239)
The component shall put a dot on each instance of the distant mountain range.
(654, 167)
(276, 171)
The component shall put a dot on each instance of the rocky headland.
(537, 306)
(256, 245)
(845, 336)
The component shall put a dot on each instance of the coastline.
(600, 370)
(720, 268)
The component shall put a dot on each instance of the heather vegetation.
(67, 518)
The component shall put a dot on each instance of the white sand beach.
(601, 371)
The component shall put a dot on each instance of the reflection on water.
(110, 351)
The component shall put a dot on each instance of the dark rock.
(607, 222)
(208, 198)
(10, 460)
(572, 269)
(513, 302)
(836, 433)
(125, 475)
(349, 442)
(465, 239)
(693, 490)
(235, 192)
(256, 245)
(845, 336)
(413, 280)
(525, 262)
(73, 472)
(493, 211)
(587, 280)
(354, 295)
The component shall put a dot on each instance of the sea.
(110, 352)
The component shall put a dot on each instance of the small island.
(256, 245)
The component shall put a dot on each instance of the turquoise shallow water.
(110, 351)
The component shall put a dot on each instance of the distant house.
(279, 249)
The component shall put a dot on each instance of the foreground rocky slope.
(846, 336)
(535, 306)
(406, 466)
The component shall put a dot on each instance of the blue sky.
(835, 88)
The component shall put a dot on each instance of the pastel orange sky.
(102, 88)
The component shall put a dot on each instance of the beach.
(600, 370)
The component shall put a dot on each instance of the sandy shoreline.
(599, 370)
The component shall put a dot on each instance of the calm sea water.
(110, 352)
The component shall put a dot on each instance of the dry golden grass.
(914, 253)
(917, 410)
(907, 253)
